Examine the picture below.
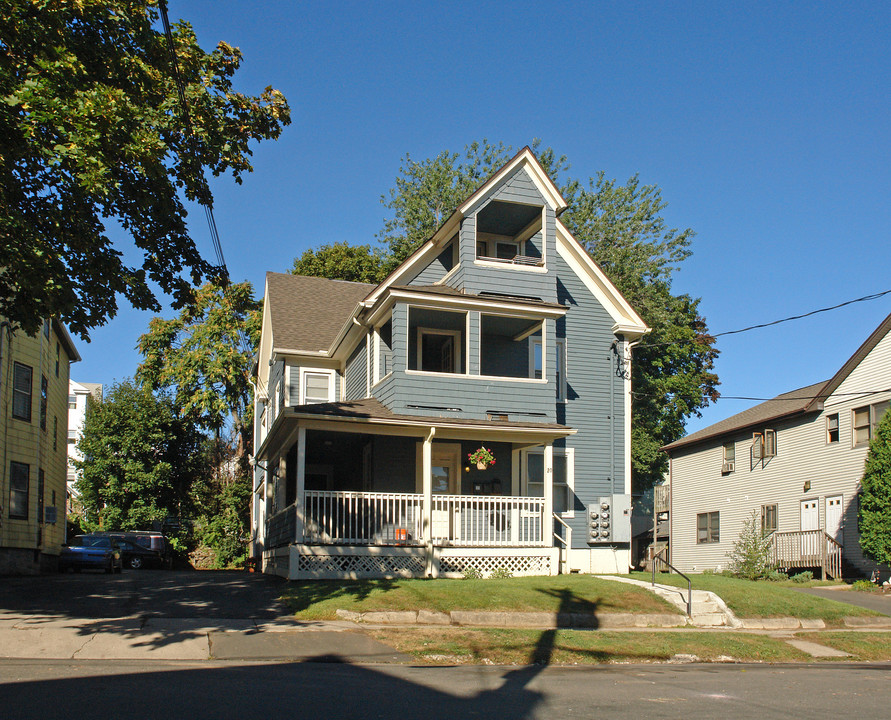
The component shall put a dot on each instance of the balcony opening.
(510, 233)
(504, 345)
(436, 340)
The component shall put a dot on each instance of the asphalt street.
(49, 690)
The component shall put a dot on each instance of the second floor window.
(832, 435)
(865, 421)
(438, 351)
(44, 399)
(316, 387)
(560, 374)
(21, 393)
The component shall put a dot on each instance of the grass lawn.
(871, 646)
(462, 646)
(748, 599)
(318, 600)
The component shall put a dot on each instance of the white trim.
(456, 354)
(511, 266)
(330, 374)
(496, 378)
(569, 454)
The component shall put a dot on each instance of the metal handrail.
(567, 542)
(689, 582)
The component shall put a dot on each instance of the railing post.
(300, 501)
(427, 475)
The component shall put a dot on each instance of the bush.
(803, 577)
(863, 586)
(501, 573)
(472, 573)
(750, 556)
(776, 576)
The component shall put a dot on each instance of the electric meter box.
(609, 520)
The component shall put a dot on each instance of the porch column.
(547, 526)
(300, 502)
(427, 481)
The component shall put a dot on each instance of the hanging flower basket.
(483, 457)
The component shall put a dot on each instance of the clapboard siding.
(591, 383)
(437, 269)
(803, 454)
(356, 373)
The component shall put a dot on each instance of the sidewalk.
(141, 638)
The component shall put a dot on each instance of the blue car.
(91, 553)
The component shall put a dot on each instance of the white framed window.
(536, 365)
(564, 478)
(708, 527)
(316, 386)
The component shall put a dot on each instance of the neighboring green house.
(33, 446)
(796, 461)
(499, 337)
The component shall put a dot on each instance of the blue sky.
(766, 125)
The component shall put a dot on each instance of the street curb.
(860, 622)
(474, 618)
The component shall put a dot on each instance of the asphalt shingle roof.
(307, 313)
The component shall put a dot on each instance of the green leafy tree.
(140, 460)
(622, 228)
(750, 557)
(340, 261)
(203, 359)
(92, 131)
(875, 496)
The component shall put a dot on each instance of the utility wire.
(783, 398)
(873, 296)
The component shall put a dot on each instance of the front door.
(446, 469)
(810, 520)
(834, 507)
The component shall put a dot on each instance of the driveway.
(873, 601)
(210, 595)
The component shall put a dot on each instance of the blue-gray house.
(470, 412)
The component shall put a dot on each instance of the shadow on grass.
(301, 596)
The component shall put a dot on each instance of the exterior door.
(810, 520)
(834, 506)
(446, 469)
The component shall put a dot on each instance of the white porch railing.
(359, 518)
(487, 521)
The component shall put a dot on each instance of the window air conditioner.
(728, 467)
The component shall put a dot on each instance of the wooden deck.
(808, 549)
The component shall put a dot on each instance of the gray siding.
(437, 269)
(595, 403)
(356, 373)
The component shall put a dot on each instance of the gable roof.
(804, 400)
(308, 313)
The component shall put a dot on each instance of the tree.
(204, 357)
(341, 261)
(139, 460)
(92, 131)
(875, 496)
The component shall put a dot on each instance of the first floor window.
(768, 519)
(21, 392)
(708, 527)
(564, 482)
(19, 480)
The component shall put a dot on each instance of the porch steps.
(708, 610)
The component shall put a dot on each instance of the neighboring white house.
(77, 410)
(796, 461)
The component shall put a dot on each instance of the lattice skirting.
(534, 561)
(354, 562)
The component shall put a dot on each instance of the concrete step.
(716, 619)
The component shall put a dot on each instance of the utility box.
(609, 520)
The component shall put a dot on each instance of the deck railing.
(807, 549)
(360, 518)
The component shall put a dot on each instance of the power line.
(865, 298)
(781, 398)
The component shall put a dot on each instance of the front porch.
(337, 502)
